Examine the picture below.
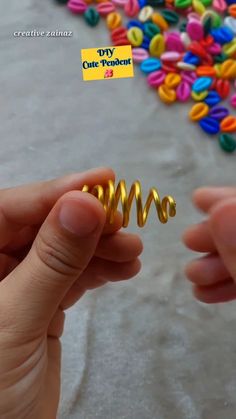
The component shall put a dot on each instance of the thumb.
(61, 251)
(223, 228)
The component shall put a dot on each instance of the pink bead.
(119, 3)
(77, 6)
(233, 101)
(105, 8)
(173, 42)
(195, 30)
(131, 8)
(188, 76)
(219, 5)
(183, 91)
(156, 78)
(214, 49)
(139, 54)
(171, 56)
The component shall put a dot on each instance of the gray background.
(143, 349)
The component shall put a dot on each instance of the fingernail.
(78, 218)
(225, 225)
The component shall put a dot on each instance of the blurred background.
(143, 349)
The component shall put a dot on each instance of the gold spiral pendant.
(110, 196)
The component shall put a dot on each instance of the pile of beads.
(197, 61)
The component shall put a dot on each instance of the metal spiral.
(109, 196)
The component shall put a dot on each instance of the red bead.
(196, 48)
(207, 41)
(223, 88)
(169, 68)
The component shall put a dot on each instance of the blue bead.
(142, 3)
(222, 35)
(209, 125)
(190, 58)
(135, 23)
(201, 84)
(146, 42)
(213, 98)
(150, 64)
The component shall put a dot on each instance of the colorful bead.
(227, 143)
(209, 125)
(91, 16)
(150, 64)
(157, 45)
(183, 91)
(201, 84)
(114, 20)
(166, 94)
(228, 124)
(139, 54)
(156, 78)
(198, 111)
(135, 36)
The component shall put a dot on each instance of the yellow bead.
(166, 94)
(198, 97)
(135, 36)
(157, 45)
(228, 69)
(114, 20)
(230, 48)
(198, 111)
(217, 68)
(145, 13)
(198, 7)
(160, 21)
(172, 80)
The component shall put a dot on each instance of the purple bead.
(218, 112)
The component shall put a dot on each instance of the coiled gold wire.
(109, 196)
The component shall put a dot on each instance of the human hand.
(214, 274)
(55, 244)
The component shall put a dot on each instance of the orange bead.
(159, 20)
(113, 20)
(228, 124)
(166, 94)
(198, 111)
(228, 69)
(206, 70)
(232, 10)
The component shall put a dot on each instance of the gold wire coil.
(109, 196)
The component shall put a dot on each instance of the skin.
(45, 268)
(213, 274)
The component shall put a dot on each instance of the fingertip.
(223, 221)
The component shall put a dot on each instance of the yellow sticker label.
(107, 63)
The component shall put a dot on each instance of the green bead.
(220, 58)
(183, 26)
(207, 25)
(217, 21)
(151, 29)
(206, 3)
(156, 3)
(61, 1)
(227, 143)
(170, 16)
(183, 4)
(91, 16)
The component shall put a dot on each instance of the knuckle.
(56, 256)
